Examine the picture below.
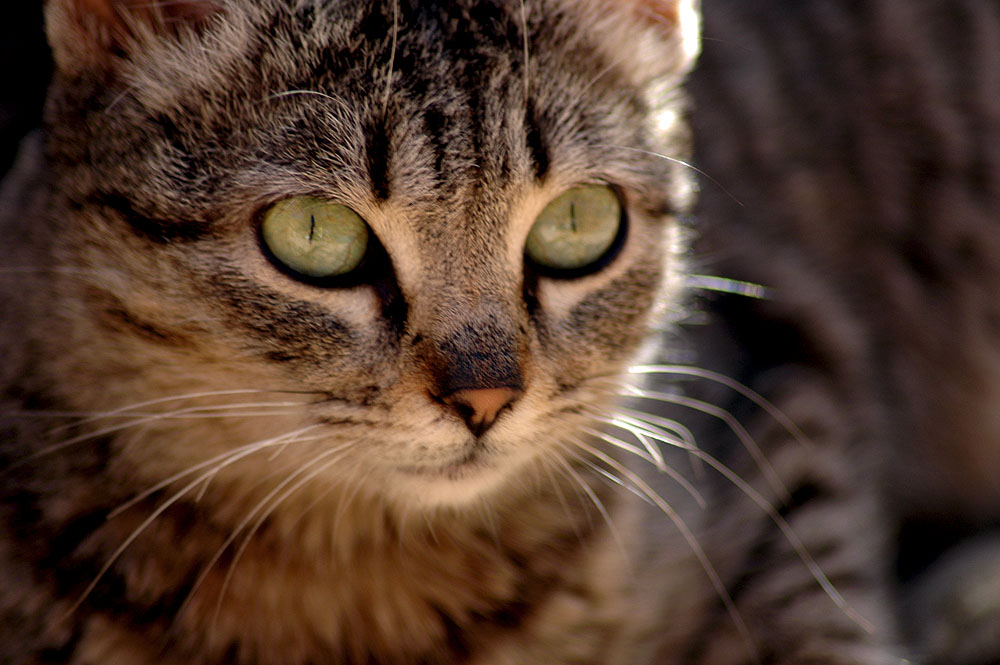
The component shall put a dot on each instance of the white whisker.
(194, 412)
(734, 425)
(727, 285)
(177, 496)
(622, 423)
(313, 93)
(527, 61)
(392, 58)
(129, 409)
(615, 480)
(550, 456)
(264, 515)
(668, 470)
(679, 435)
(594, 499)
(206, 569)
(223, 458)
(681, 162)
(786, 529)
(489, 518)
(618, 443)
(685, 532)
(769, 407)
(120, 96)
(345, 502)
(59, 270)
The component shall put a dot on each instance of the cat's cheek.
(643, 246)
(270, 303)
(587, 323)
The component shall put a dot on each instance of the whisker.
(601, 74)
(392, 58)
(129, 408)
(62, 445)
(527, 61)
(623, 445)
(192, 413)
(552, 460)
(594, 499)
(615, 480)
(313, 93)
(489, 518)
(201, 491)
(759, 400)
(734, 425)
(260, 520)
(243, 451)
(207, 568)
(727, 285)
(149, 520)
(581, 497)
(120, 96)
(343, 504)
(681, 436)
(797, 545)
(686, 533)
(622, 423)
(681, 162)
(188, 412)
(668, 470)
(629, 425)
(58, 270)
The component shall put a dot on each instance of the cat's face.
(428, 233)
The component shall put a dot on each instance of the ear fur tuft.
(663, 37)
(85, 34)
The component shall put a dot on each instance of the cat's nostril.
(479, 407)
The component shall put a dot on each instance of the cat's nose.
(479, 407)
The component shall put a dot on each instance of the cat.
(351, 332)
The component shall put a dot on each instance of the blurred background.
(24, 73)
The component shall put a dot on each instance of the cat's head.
(430, 233)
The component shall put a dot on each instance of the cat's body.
(213, 458)
(857, 147)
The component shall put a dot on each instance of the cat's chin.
(470, 479)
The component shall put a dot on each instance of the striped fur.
(207, 461)
(859, 140)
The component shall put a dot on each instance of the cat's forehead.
(423, 102)
(453, 112)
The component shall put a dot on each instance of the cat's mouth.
(472, 461)
(459, 481)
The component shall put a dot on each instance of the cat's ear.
(654, 39)
(94, 34)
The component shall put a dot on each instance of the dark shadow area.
(25, 68)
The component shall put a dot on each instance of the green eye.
(314, 237)
(576, 229)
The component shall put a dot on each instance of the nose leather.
(479, 407)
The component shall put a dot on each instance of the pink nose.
(479, 407)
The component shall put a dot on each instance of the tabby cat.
(320, 330)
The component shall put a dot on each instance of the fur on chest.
(359, 587)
